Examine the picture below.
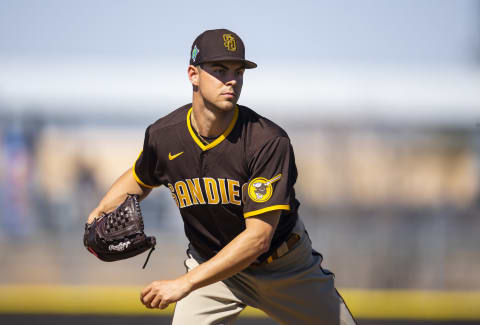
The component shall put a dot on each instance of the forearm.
(233, 258)
(125, 184)
(237, 255)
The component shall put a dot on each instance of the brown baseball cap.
(219, 45)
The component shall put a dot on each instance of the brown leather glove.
(119, 234)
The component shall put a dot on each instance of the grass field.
(41, 304)
(19, 319)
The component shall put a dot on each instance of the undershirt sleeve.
(273, 174)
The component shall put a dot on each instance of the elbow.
(262, 244)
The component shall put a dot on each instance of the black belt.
(287, 245)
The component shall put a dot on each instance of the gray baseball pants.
(293, 290)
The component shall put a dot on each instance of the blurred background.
(381, 100)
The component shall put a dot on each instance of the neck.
(210, 121)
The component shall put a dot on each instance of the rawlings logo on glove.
(120, 247)
(119, 234)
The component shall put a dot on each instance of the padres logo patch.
(260, 189)
(229, 42)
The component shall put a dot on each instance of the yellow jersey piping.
(217, 140)
(267, 209)
(139, 181)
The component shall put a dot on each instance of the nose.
(231, 82)
(232, 78)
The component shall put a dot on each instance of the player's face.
(220, 83)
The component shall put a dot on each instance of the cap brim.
(248, 64)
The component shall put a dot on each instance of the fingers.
(160, 294)
(148, 298)
(146, 290)
(90, 219)
(156, 302)
(153, 298)
(147, 295)
(94, 215)
(163, 304)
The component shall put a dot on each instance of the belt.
(287, 245)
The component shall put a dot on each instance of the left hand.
(159, 294)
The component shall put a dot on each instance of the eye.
(219, 71)
(239, 72)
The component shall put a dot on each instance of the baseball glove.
(119, 234)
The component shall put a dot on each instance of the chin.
(226, 106)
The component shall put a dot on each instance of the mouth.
(229, 94)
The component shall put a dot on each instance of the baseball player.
(231, 172)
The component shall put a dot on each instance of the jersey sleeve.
(146, 163)
(273, 174)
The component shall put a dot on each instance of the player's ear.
(193, 75)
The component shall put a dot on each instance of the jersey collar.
(217, 140)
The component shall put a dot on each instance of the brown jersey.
(248, 170)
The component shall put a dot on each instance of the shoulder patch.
(260, 189)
